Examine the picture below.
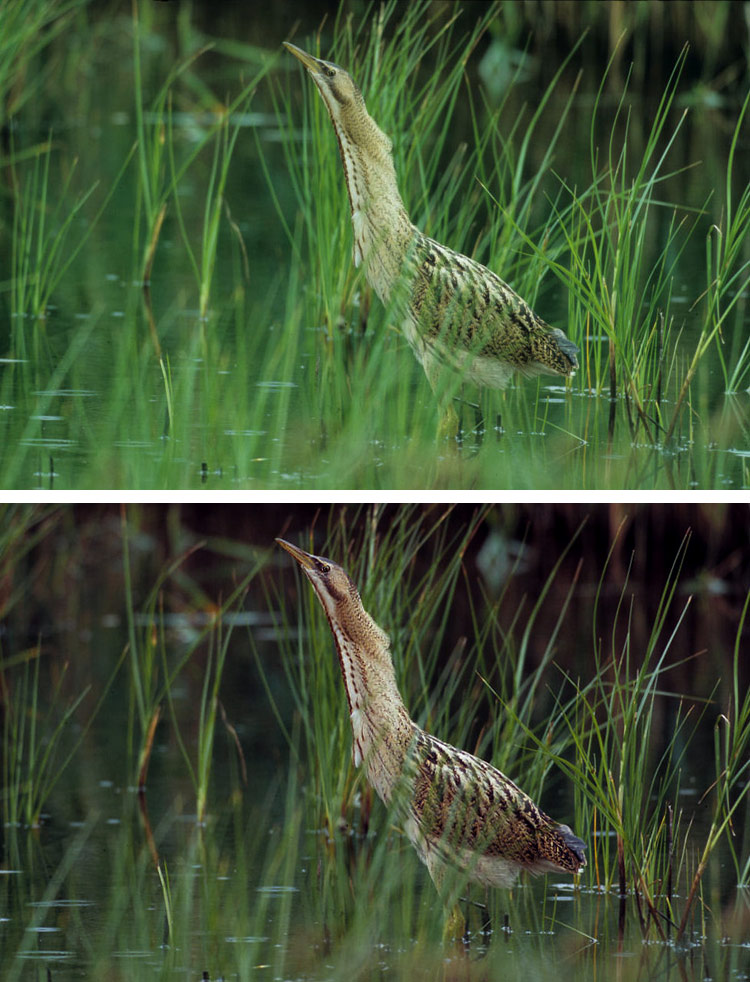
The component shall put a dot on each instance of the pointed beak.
(305, 560)
(311, 64)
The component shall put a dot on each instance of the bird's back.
(465, 813)
(462, 314)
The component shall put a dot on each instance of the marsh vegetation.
(178, 795)
(181, 310)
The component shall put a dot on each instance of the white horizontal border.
(378, 497)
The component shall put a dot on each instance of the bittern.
(458, 811)
(452, 310)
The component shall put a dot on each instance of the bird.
(454, 312)
(458, 811)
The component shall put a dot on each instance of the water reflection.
(244, 365)
(115, 873)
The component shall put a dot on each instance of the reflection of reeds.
(282, 372)
(306, 873)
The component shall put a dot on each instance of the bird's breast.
(357, 722)
(359, 229)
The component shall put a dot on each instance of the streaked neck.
(379, 219)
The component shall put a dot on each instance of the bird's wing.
(462, 308)
(464, 806)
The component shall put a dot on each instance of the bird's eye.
(325, 568)
(330, 72)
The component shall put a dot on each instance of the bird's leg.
(479, 423)
(483, 915)
(461, 925)
(454, 924)
(448, 424)
(454, 927)
(486, 923)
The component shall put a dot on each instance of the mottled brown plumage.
(454, 311)
(458, 811)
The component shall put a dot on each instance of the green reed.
(27, 29)
(161, 179)
(538, 723)
(32, 762)
(164, 320)
(728, 270)
(37, 712)
(153, 672)
(308, 874)
(621, 790)
(731, 787)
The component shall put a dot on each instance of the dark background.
(62, 566)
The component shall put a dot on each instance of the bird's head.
(335, 588)
(340, 93)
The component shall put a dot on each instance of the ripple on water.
(250, 939)
(48, 443)
(45, 954)
(82, 393)
(61, 902)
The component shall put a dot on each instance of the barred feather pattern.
(464, 812)
(457, 809)
(463, 315)
(454, 312)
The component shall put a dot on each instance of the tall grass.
(596, 239)
(36, 713)
(153, 673)
(27, 28)
(153, 393)
(728, 267)
(307, 874)
(596, 730)
(611, 269)
(205, 326)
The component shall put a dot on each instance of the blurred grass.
(302, 869)
(183, 309)
(597, 732)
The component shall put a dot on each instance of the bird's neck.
(381, 225)
(381, 727)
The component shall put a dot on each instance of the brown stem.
(147, 748)
(150, 842)
(147, 279)
(155, 232)
(238, 745)
(670, 838)
(691, 897)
